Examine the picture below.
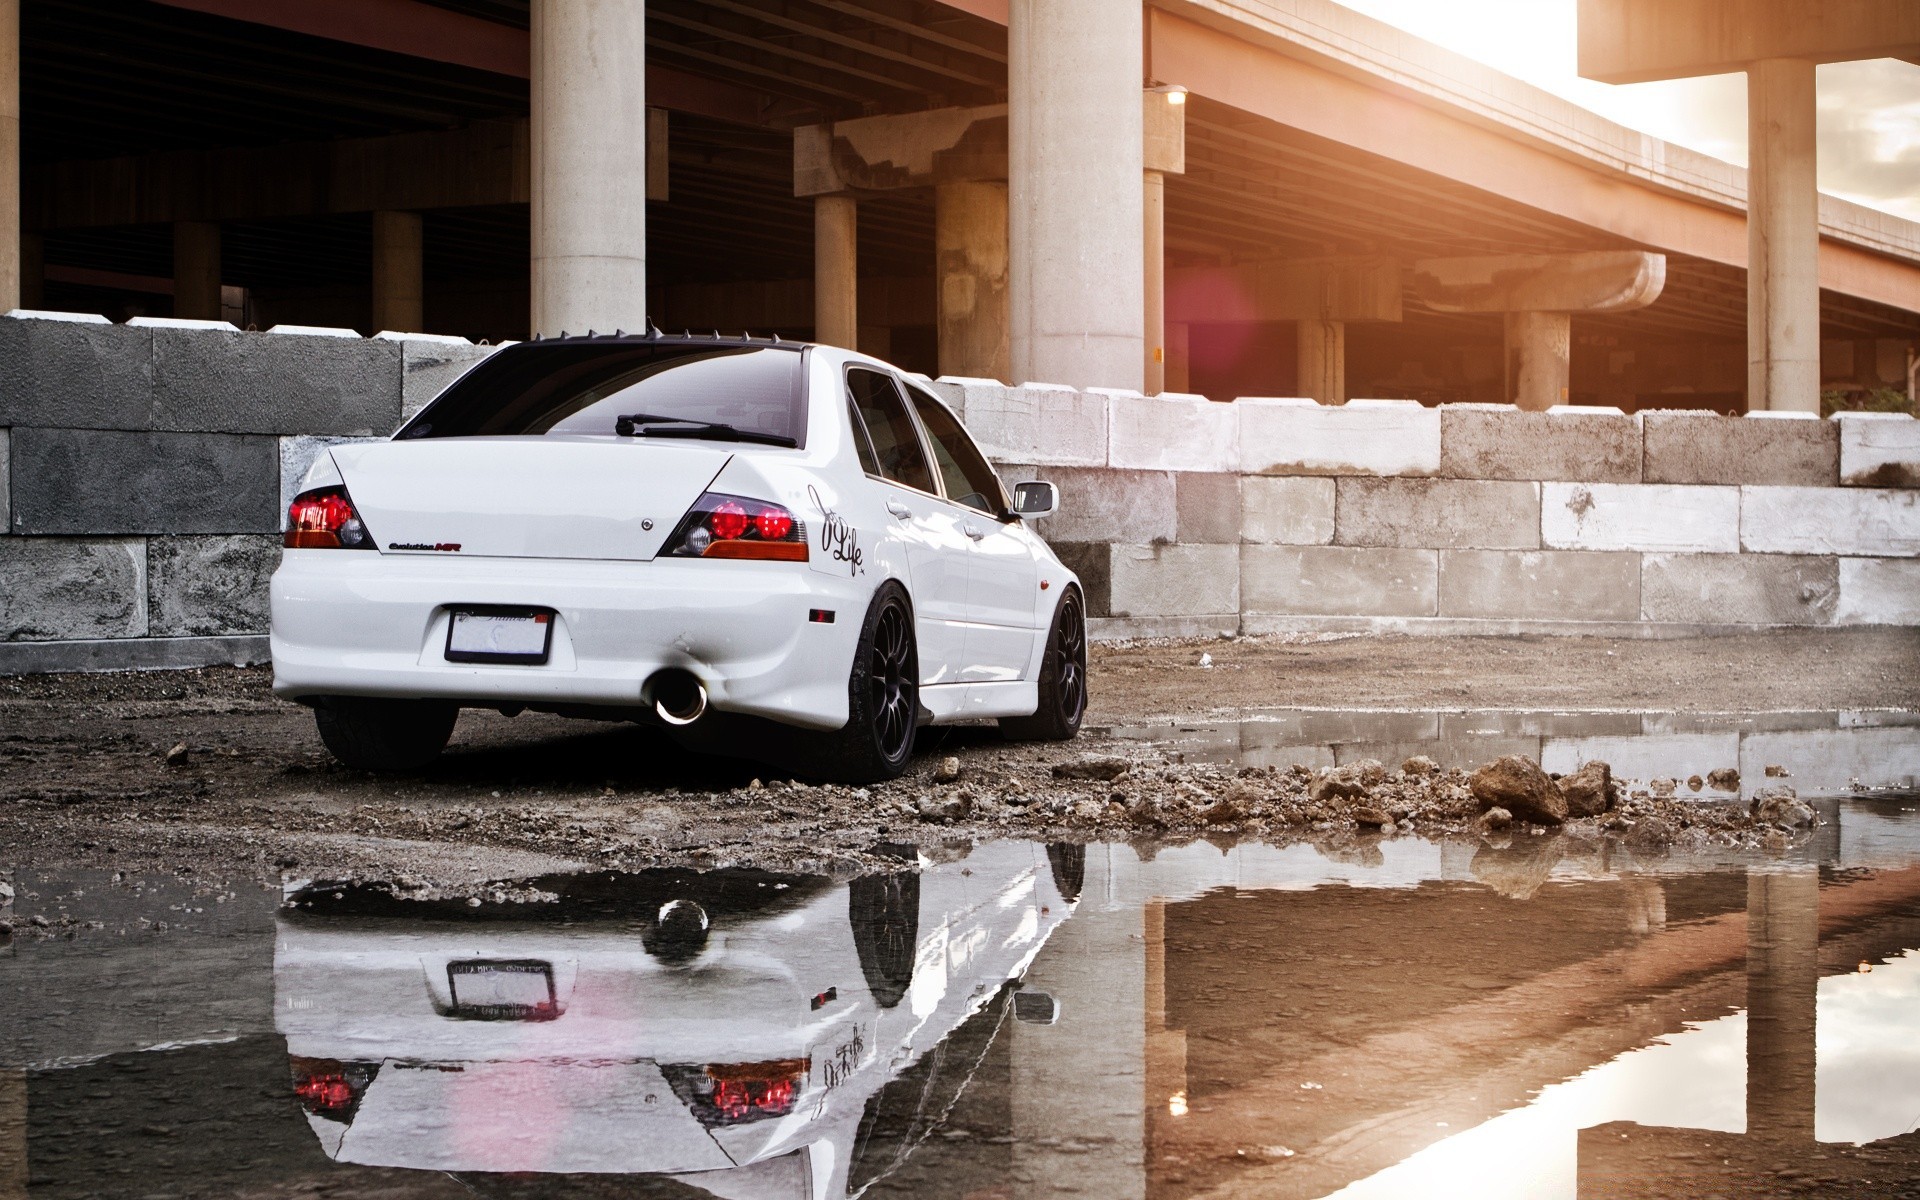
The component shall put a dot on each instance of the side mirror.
(1034, 500)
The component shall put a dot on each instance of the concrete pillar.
(970, 255)
(1783, 239)
(1783, 977)
(836, 271)
(1539, 359)
(589, 177)
(1074, 195)
(9, 154)
(398, 273)
(1323, 360)
(196, 270)
(1154, 266)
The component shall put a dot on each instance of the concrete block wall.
(145, 471)
(1472, 518)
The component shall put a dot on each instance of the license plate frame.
(459, 613)
(494, 1007)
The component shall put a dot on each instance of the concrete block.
(1569, 443)
(1437, 513)
(1879, 449)
(1035, 423)
(1541, 585)
(1361, 437)
(1860, 521)
(1209, 505)
(429, 363)
(1286, 509)
(209, 586)
(1099, 505)
(75, 373)
(280, 383)
(1172, 432)
(1879, 591)
(1616, 516)
(1175, 581)
(1738, 589)
(59, 588)
(297, 456)
(132, 654)
(78, 481)
(1339, 580)
(1093, 563)
(6, 486)
(1792, 449)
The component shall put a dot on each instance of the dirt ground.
(87, 779)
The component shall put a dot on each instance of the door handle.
(974, 531)
(899, 510)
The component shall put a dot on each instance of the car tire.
(376, 734)
(884, 913)
(1063, 679)
(883, 699)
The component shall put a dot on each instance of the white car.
(751, 1034)
(734, 537)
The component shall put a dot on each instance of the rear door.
(937, 548)
(1003, 580)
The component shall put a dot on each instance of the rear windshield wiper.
(653, 425)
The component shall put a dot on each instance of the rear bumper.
(349, 623)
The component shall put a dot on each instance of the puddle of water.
(1009, 1019)
(1823, 753)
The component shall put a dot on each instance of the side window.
(862, 444)
(896, 445)
(970, 481)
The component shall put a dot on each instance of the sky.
(1869, 111)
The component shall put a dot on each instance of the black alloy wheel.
(893, 682)
(1063, 679)
(883, 701)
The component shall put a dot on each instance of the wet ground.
(1167, 960)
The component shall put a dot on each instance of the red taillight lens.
(721, 526)
(736, 1093)
(324, 519)
(329, 1088)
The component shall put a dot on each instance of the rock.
(943, 808)
(1371, 818)
(1495, 818)
(1663, 788)
(1782, 806)
(177, 757)
(947, 771)
(38, 921)
(1206, 660)
(1104, 769)
(1726, 779)
(1519, 871)
(1517, 784)
(1695, 783)
(1589, 791)
(1337, 783)
(1372, 772)
(1225, 812)
(1776, 771)
(1420, 764)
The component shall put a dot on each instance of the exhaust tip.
(679, 698)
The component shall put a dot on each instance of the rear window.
(573, 389)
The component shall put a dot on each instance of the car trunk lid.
(526, 497)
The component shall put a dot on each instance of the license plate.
(502, 990)
(500, 635)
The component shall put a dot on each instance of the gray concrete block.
(1769, 448)
(1175, 581)
(1287, 509)
(1093, 563)
(78, 373)
(1339, 580)
(1170, 432)
(1739, 589)
(1102, 505)
(82, 481)
(1649, 516)
(1291, 436)
(429, 363)
(1437, 513)
(1569, 443)
(231, 382)
(1544, 585)
(132, 654)
(59, 588)
(209, 586)
(1879, 449)
(1830, 520)
(1879, 591)
(6, 484)
(1209, 505)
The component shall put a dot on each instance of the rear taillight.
(737, 1093)
(324, 519)
(722, 526)
(329, 1088)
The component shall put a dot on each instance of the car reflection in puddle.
(747, 1033)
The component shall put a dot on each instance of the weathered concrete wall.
(1281, 515)
(145, 470)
